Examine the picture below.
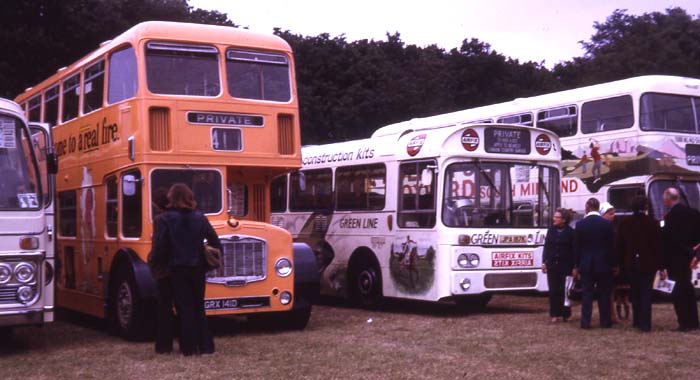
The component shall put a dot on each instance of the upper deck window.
(34, 113)
(93, 87)
(182, 69)
(123, 81)
(51, 105)
(607, 114)
(562, 121)
(257, 75)
(522, 119)
(71, 96)
(673, 113)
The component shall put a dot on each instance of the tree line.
(347, 89)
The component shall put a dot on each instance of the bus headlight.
(5, 273)
(468, 260)
(283, 267)
(24, 272)
(285, 298)
(25, 294)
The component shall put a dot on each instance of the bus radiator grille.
(510, 280)
(243, 257)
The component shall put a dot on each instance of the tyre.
(127, 308)
(366, 285)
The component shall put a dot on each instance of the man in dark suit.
(594, 261)
(681, 232)
(638, 244)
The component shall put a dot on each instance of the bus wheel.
(472, 304)
(366, 285)
(127, 308)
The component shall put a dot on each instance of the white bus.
(623, 138)
(620, 139)
(26, 220)
(433, 212)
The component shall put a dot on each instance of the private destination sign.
(232, 119)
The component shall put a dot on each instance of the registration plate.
(221, 304)
(512, 259)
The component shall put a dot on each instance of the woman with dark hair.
(178, 242)
(558, 262)
(638, 244)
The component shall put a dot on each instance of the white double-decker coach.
(429, 209)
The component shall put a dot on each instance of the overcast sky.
(528, 30)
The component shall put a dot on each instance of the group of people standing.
(627, 255)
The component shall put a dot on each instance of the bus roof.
(8, 106)
(424, 143)
(653, 83)
(173, 31)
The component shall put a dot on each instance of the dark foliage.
(349, 89)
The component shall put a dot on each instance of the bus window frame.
(170, 46)
(54, 91)
(573, 116)
(69, 78)
(601, 126)
(365, 169)
(694, 100)
(531, 123)
(306, 173)
(89, 80)
(401, 211)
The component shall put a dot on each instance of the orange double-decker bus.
(211, 106)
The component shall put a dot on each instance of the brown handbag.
(212, 256)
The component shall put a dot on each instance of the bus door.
(48, 166)
(412, 260)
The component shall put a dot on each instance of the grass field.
(511, 339)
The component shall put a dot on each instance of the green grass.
(511, 339)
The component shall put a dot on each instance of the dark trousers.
(589, 283)
(556, 280)
(165, 318)
(188, 294)
(684, 302)
(641, 285)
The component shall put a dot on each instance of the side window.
(71, 97)
(131, 204)
(34, 111)
(93, 87)
(111, 205)
(623, 197)
(278, 194)
(607, 114)
(51, 106)
(360, 187)
(310, 190)
(416, 197)
(522, 119)
(67, 213)
(123, 81)
(562, 121)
